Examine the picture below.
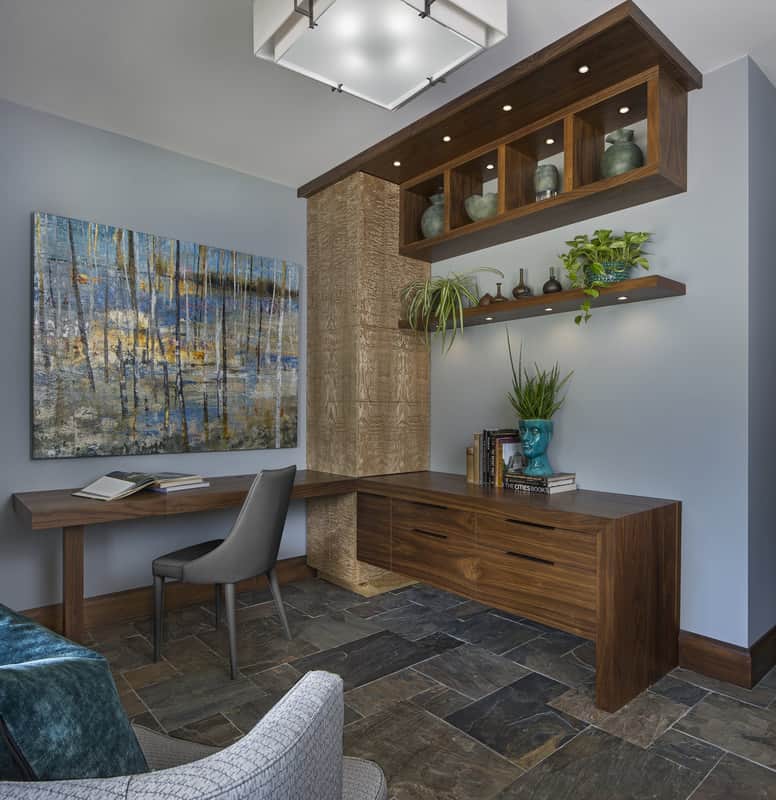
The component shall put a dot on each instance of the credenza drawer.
(442, 560)
(555, 546)
(454, 524)
(549, 593)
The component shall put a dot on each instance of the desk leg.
(73, 582)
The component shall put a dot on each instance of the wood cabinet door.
(374, 530)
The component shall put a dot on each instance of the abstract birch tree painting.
(143, 344)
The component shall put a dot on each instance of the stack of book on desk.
(116, 485)
(552, 484)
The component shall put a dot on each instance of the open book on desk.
(117, 484)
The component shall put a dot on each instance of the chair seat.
(171, 565)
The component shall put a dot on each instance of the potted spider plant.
(535, 399)
(592, 263)
(435, 305)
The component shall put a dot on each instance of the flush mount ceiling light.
(383, 51)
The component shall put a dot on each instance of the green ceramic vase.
(623, 155)
(432, 223)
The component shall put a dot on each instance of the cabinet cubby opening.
(415, 199)
(480, 176)
(544, 147)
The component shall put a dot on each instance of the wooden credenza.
(603, 566)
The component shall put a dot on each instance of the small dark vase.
(521, 290)
(486, 299)
(499, 298)
(553, 284)
(623, 155)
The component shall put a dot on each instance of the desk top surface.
(58, 508)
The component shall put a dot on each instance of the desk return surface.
(603, 566)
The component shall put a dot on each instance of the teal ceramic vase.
(432, 223)
(535, 434)
(623, 155)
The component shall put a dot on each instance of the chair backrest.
(294, 752)
(251, 548)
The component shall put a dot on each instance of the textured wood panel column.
(367, 384)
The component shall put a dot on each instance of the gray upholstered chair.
(250, 549)
(293, 753)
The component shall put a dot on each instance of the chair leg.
(219, 606)
(232, 625)
(273, 585)
(158, 615)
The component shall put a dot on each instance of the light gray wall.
(658, 402)
(762, 361)
(50, 164)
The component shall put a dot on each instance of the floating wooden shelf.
(557, 113)
(636, 290)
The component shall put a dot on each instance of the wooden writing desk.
(59, 509)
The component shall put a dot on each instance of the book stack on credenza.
(495, 450)
(551, 484)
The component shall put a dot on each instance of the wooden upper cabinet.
(557, 115)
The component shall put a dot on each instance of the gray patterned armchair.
(293, 753)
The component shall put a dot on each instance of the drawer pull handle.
(531, 558)
(432, 534)
(532, 524)
(428, 505)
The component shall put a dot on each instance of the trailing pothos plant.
(588, 257)
(435, 305)
(535, 396)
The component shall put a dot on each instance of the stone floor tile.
(695, 755)
(598, 766)
(111, 631)
(580, 703)
(586, 654)
(736, 779)
(412, 621)
(148, 674)
(551, 654)
(179, 623)
(377, 605)
(216, 731)
(133, 705)
(430, 597)
(368, 659)
(644, 718)
(762, 695)
(424, 758)
(441, 701)
(679, 691)
(388, 691)
(333, 629)
(472, 671)
(743, 729)
(191, 655)
(315, 597)
(517, 722)
(127, 653)
(147, 720)
(490, 632)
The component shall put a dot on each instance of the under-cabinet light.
(548, 309)
(447, 138)
(623, 297)
(549, 140)
(624, 109)
(488, 319)
(397, 163)
(507, 107)
(490, 166)
(583, 70)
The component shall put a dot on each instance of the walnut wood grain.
(73, 581)
(58, 508)
(374, 530)
(432, 517)
(618, 44)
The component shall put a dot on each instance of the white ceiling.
(181, 73)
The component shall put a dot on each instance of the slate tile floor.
(453, 699)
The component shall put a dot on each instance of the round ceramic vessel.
(432, 223)
(623, 155)
(546, 181)
(481, 206)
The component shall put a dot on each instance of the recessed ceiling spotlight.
(507, 107)
(622, 297)
(549, 140)
(490, 166)
(447, 138)
(624, 109)
(397, 163)
(583, 70)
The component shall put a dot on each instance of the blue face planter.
(535, 435)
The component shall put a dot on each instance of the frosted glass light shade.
(380, 50)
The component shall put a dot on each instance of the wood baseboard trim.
(134, 603)
(741, 666)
